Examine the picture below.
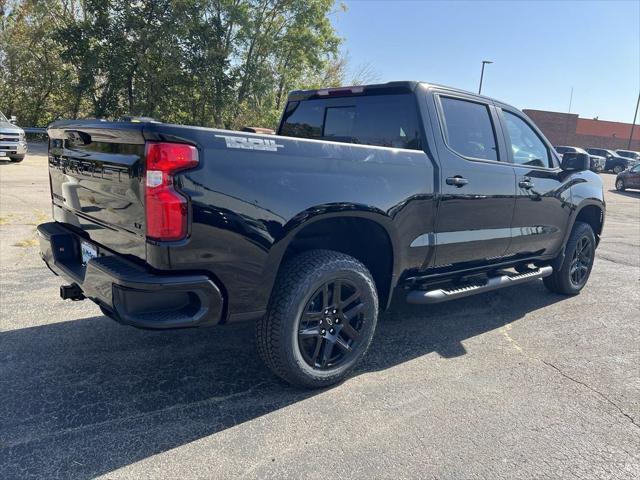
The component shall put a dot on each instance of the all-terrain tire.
(277, 332)
(560, 281)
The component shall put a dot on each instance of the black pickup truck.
(363, 192)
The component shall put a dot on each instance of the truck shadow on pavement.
(626, 193)
(86, 397)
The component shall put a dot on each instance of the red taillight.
(166, 209)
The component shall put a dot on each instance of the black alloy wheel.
(330, 327)
(321, 318)
(571, 275)
(581, 262)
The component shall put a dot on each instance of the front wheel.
(321, 319)
(17, 159)
(620, 185)
(574, 272)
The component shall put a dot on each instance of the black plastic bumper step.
(492, 283)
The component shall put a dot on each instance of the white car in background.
(13, 145)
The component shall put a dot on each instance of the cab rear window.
(382, 120)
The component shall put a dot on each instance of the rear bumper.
(131, 294)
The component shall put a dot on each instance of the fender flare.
(572, 219)
(320, 213)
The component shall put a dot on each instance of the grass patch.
(31, 242)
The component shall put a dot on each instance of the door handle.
(458, 181)
(526, 183)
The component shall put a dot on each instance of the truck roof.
(402, 86)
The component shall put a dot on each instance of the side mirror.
(13, 119)
(575, 162)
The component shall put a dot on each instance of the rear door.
(477, 183)
(542, 205)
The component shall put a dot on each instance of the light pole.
(633, 125)
(484, 62)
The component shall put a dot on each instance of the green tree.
(222, 63)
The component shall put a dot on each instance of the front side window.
(469, 129)
(527, 147)
(382, 120)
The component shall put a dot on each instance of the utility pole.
(633, 125)
(570, 100)
(484, 62)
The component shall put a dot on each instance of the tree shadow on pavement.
(86, 397)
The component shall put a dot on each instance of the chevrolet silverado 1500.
(407, 187)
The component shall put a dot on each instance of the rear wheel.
(620, 185)
(574, 272)
(617, 169)
(321, 319)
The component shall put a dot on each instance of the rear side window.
(469, 129)
(527, 147)
(383, 120)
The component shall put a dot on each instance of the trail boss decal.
(250, 143)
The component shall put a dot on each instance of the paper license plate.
(88, 252)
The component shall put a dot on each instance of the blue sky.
(540, 49)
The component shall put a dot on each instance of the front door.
(477, 183)
(542, 206)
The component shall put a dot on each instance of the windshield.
(3, 118)
(629, 154)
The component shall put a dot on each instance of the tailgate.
(96, 171)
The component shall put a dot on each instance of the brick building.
(569, 129)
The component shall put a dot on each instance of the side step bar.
(492, 283)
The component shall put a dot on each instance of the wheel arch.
(364, 233)
(591, 212)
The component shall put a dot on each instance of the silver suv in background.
(13, 145)
(635, 156)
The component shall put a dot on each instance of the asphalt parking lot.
(518, 383)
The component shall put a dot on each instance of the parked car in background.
(13, 145)
(629, 178)
(613, 161)
(629, 154)
(596, 162)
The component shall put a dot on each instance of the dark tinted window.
(598, 151)
(339, 123)
(303, 119)
(384, 120)
(527, 147)
(469, 129)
